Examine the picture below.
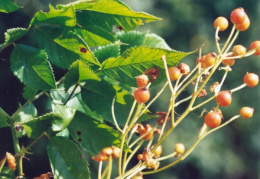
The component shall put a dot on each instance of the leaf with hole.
(75, 43)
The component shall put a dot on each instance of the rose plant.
(100, 106)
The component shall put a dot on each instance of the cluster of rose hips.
(106, 152)
(206, 65)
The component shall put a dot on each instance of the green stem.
(183, 100)
(229, 37)
(110, 166)
(167, 74)
(176, 161)
(27, 103)
(114, 116)
(23, 151)
(192, 147)
(166, 157)
(136, 171)
(232, 41)
(186, 84)
(130, 171)
(2, 162)
(165, 122)
(238, 88)
(142, 136)
(217, 39)
(71, 94)
(187, 77)
(17, 150)
(132, 153)
(125, 132)
(105, 171)
(157, 95)
(203, 103)
(100, 169)
(124, 164)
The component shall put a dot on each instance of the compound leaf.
(66, 159)
(31, 67)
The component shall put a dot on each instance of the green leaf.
(99, 96)
(109, 13)
(78, 73)
(38, 126)
(64, 17)
(31, 67)
(73, 42)
(79, 104)
(29, 93)
(67, 115)
(5, 119)
(66, 159)
(57, 54)
(92, 135)
(14, 34)
(104, 52)
(136, 60)
(94, 35)
(7, 6)
(27, 114)
(56, 121)
(60, 96)
(64, 133)
(133, 38)
(7, 173)
(155, 41)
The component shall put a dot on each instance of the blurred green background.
(230, 153)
